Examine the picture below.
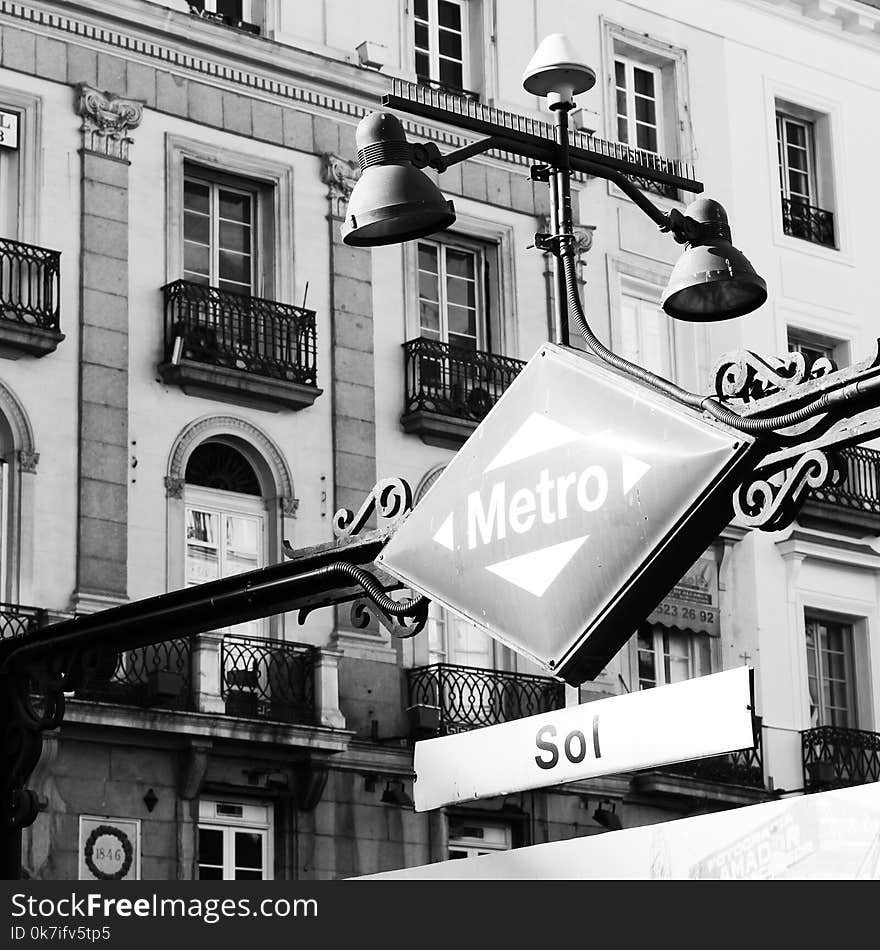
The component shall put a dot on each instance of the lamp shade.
(555, 70)
(393, 201)
(712, 280)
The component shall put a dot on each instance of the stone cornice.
(848, 19)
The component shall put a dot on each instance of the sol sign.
(570, 512)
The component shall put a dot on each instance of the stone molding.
(107, 120)
(340, 176)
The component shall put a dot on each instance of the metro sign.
(570, 512)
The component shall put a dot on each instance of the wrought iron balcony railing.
(227, 19)
(453, 381)
(808, 222)
(252, 334)
(268, 679)
(18, 621)
(837, 757)
(445, 87)
(30, 279)
(154, 676)
(469, 698)
(745, 767)
(860, 487)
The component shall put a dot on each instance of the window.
(225, 519)
(816, 346)
(4, 502)
(646, 333)
(453, 640)
(798, 150)
(234, 841)
(666, 655)
(440, 42)
(830, 673)
(219, 224)
(638, 91)
(451, 306)
(470, 839)
(237, 13)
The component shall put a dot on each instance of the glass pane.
(210, 874)
(459, 264)
(421, 9)
(450, 44)
(248, 875)
(462, 342)
(429, 288)
(422, 36)
(248, 850)
(643, 82)
(429, 316)
(196, 257)
(230, 8)
(211, 846)
(242, 545)
(231, 287)
(197, 227)
(449, 14)
(196, 196)
(621, 102)
(797, 159)
(462, 321)
(423, 66)
(461, 292)
(796, 134)
(428, 258)
(645, 110)
(620, 74)
(201, 526)
(622, 132)
(451, 74)
(235, 237)
(235, 267)
(646, 137)
(235, 207)
(202, 564)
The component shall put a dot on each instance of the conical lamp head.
(393, 201)
(713, 282)
(556, 70)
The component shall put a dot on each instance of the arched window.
(226, 524)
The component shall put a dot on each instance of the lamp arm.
(758, 427)
(427, 154)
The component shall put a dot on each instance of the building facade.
(195, 370)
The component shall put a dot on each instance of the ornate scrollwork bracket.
(770, 506)
(391, 499)
(746, 376)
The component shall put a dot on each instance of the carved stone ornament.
(174, 486)
(107, 120)
(341, 176)
(28, 461)
(289, 507)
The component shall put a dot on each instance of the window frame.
(783, 144)
(482, 337)
(632, 121)
(229, 825)
(646, 293)
(693, 644)
(799, 339)
(433, 51)
(850, 672)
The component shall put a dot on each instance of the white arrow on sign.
(705, 716)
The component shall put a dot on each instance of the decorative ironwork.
(771, 505)
(390, 499)
(268, 679)
(859, 487)
(251, 334)
(746, 376)
(447, 89)
(18, 621)
(197, 8)
(158, 675)
(453, 381)
(745, 767)
(805, 221)
(30, 281)
(657, 187)
(469, 698)
(837, 757)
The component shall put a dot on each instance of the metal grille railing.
(453, 381)
(860, 487)
(445, 87)
(469, 698)
(834, 756)
(18, 621)
(268, 679)
(198, 9)
(251, 334)
(159, 675)
(30, 284)
(745, 767)
(808, 222)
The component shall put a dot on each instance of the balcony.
(445, 699)
(268, 679)
(447, 89)
(449, 389)
(834, 757)
(18, 621)
(808, 222)
(735, 777)
(30, 295)
(246, 350)
(855, 502)
(197, 8)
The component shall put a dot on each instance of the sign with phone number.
(693, 602)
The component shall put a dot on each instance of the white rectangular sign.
(705, 716)
(8, 129)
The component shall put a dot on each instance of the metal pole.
(564, 226)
